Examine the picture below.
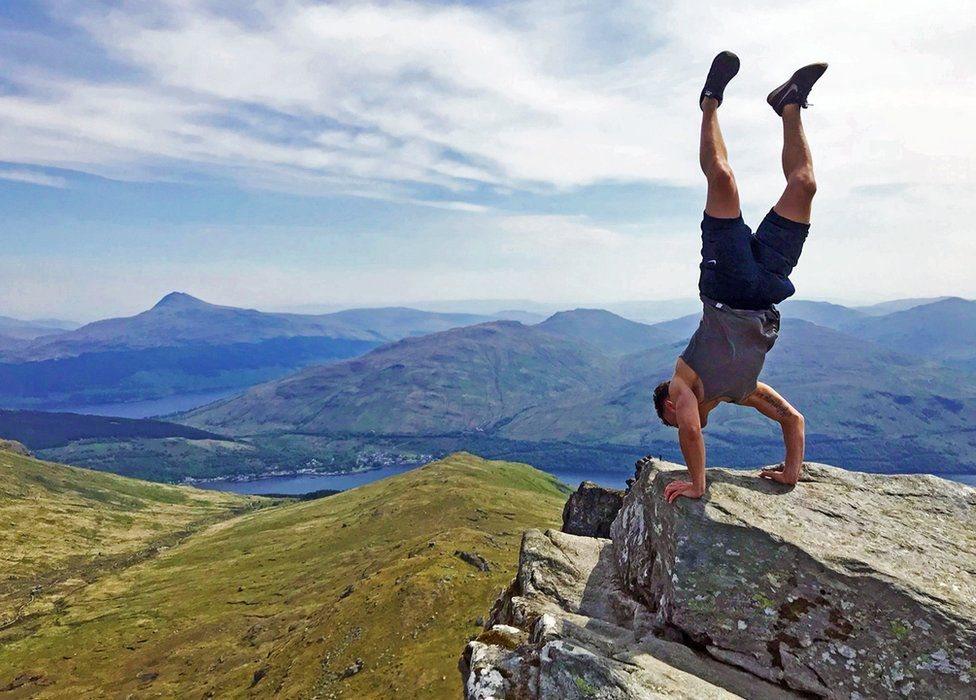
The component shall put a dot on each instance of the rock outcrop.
(15, 447)
(847, 585)
(590, 510)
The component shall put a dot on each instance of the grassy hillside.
(284, 600)
(62, 529)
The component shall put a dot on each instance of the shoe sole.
(735, 71)
(771, 99)
(733, 58)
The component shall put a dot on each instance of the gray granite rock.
(590, 510)
(846, 585)
(575, 641)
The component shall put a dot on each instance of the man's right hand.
(676, 489)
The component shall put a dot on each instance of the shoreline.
(291, 474)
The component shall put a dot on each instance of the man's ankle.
(791, 110)
(709, 103)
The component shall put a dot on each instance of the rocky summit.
(847, 585)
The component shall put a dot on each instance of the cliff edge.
(847, 585)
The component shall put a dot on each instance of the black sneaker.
(724, 67)
(795, 90)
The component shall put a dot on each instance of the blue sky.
(368, 153)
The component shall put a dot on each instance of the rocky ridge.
(847, 585)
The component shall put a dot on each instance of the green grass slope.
(63, 528)
(280, 602)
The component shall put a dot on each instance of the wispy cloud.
(347, 97)
(32, 177)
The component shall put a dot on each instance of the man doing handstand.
(743, 275)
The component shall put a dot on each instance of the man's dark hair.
(661, 394)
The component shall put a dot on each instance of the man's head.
(664, 405)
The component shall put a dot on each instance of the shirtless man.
(743, 275)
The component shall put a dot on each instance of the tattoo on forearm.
(780, 406)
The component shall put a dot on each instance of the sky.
(299, 153)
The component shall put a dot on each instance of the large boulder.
(590, 510)
(563, 630)
(847, 585)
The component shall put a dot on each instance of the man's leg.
(797, 199)
(722, 200)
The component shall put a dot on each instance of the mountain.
(944, 330)
(468, 379)
(393, 323)
(179, 319)
(820, 312)
(127, 588)
(39, 430)
(606, 331)
(527, 317)
(186, 345)
(887, 307)
(9, 345)
(17, 329)
(516, 389)
(58, 323)
(682, 327)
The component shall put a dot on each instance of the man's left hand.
(682, 488)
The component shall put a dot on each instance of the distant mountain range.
(888, 307)
(887, 392)
(571, 380)
(184, 345)
(944, 330)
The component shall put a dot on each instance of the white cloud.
(389, 99)
(32, 177)
(447, 95)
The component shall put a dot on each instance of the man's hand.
(779, 473)
(682, 488)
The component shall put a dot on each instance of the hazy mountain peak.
(175, 300)
(587, 313)
(605, 330)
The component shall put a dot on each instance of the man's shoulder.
(684, 373)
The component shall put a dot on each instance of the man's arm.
(691, 441)
(769, 403)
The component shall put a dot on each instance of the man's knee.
(720, 177)
(803, 183)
